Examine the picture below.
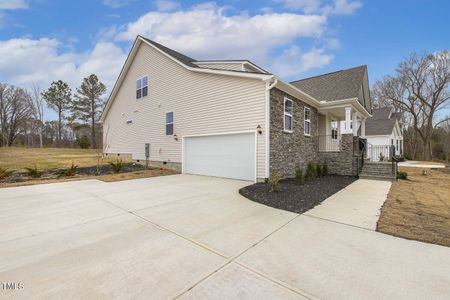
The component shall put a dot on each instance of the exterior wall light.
(258, 129)
(175, 137)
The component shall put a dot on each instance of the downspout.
(269, 86)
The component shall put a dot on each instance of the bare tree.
(15, 112)
(420, 88)
(37, 110)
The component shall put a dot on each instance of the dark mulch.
(297, 198)
(55, 173)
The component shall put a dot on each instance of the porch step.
(377, 171)
(374, 177)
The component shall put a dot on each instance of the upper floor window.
(334, 129)
(288, 112)
(169, 123)
(142, 87)
(307, 130)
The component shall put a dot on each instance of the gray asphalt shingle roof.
(334, 86)
(380, 123)
(189, 61)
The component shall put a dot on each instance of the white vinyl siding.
(204, 104)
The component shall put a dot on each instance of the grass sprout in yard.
(34, 172)
(117, 166)
(72, 171)
(4, 173)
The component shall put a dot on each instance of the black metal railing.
(329, 143)
(394, 163)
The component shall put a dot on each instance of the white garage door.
(229, 156)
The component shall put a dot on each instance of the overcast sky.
(43, 40)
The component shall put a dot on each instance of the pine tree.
(87, 104)
(58, 98)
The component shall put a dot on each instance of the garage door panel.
(230, 156)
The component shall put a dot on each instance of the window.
(142, 87)
(307, 130)
(169, 123)
(288, 111)
(334, 129)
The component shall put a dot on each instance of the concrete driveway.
(185, 236)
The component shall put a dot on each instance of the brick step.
(377, 171)
(374, 177)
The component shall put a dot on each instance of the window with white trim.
(334, 129)
(307, 116)
(169, 123)
(142, 87)
(288, 112)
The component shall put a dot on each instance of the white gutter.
(269, 86)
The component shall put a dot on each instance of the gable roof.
(188, 61)
(339, 85)
(382, 122)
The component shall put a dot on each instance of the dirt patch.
(294, 197)
(419, 208)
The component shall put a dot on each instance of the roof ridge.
(338, 71)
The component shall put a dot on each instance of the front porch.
(335, 122)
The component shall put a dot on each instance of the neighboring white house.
(384, 130)
(227, 118)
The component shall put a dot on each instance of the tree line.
(420, 90)
(22, 115)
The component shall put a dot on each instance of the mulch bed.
(80, 171)
(294, 197)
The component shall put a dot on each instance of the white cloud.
(207, 32)
(336, 7)
(116, 3)
(293, 61)
(41, 61)
(13, 4)
(166, 5)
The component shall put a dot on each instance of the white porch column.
(355, 123)
(363, 127)
(348, 115)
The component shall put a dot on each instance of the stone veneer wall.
(346, 161)
(289, 150)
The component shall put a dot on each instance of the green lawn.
(16, 158)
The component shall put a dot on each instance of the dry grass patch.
(419, 208)
(17, 159)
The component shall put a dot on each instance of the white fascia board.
(292, 90)
(346, 102)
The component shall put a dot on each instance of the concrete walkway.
(359, 204)
(195, 237)
(418, 164)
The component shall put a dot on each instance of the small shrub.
(399, 158)
(4, 173)
(83, 142)
(319, 171)
(117, 166)
(34, 172)
(299, 176)
(274, 182)
(402, 175)
(324, 170)
(69, 172)
(310, 171)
